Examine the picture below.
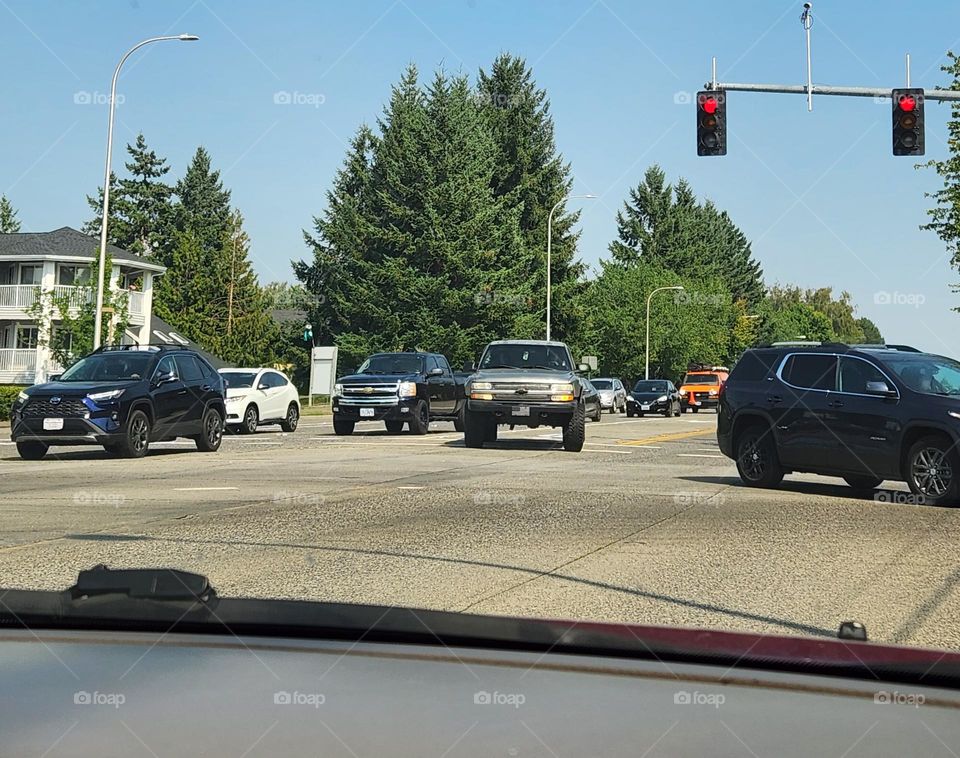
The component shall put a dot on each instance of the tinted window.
(273, 379)
(602, 384)
(442, 363)
(205, 368)
(754, 365)
(165, 366)
(239, 379)
(645, 385)
(701, 379)
(189, 370)
(855, 373)
(392, 363)
(811, 371)
(432, 363)
(932, 374)
(551, 357)
(110, 366)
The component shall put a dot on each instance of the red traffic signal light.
(712, 123)
(908, 135)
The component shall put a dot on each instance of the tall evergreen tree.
(203, 209)
(117, 234)
(9, 224)
(530, 174)
(144, 204)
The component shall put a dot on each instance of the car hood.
(647, 396)
(74, 389)
(378, 378)
(238, 391)
(534, 376)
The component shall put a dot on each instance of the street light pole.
(646, 349)
(98, 314)
(550, 238)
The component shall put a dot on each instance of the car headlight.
(682, 392)
(481, 386)
(407, 389)
(23, 396)
(337, 389)
(102, 397)
(713, 392)
(662, 399)
(236, 399)
(561, 388)
(631, 399)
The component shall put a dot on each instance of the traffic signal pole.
(823, 89)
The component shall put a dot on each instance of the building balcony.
(18, 366)
(16, 300)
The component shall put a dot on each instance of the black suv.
(862, 412)
(123, 397)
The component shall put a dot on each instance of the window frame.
(788, 356)
(890, 383)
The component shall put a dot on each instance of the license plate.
(521, 410)
(52, 424)
(366, 413)
(645, 407)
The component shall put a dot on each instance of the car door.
(170, 397)
(449, 385)
(274, 395)
(197, 387)
(798, 401)
(868, 431)
(435, 387)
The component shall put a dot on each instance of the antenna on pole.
(908, 70)
(713, 79)
(806, 18)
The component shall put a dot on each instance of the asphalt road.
(648, 524)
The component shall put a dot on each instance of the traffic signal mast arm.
(823, 89)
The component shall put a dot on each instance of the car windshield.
(392, 363)
(930, 374)
(109, 367)
(650, 386)
(239, 379)
(701, 379)
(525, 356)
(602, 384)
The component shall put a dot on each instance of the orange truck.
(701, 385)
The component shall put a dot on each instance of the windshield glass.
(106, 367)
(932, 375)
(650, 386)
(392, 363)
(701, 379)
(525, 356)
(239, 379)
(602, 384)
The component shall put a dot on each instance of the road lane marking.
(666, 437)
(698, 455)
(203, 489)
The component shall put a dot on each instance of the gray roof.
(65, 242)
(157, 324)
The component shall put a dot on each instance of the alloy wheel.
(931, 471)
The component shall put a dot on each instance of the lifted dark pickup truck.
(398, 389)
(525, 383)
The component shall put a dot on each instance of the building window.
(27, 337)
(8, 273)
(73, 275)
(31, 274)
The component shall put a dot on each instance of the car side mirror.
(469, 366)
(435, 372)
(263, 386)
(53, 378)
(166, 378)
(881, 389)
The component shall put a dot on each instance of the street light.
(549, 238)
(646, 357)
(98, 315)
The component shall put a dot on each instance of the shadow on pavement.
(800, 488)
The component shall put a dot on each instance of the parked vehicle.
(701, 385)
(525, 383)
(258, 397)
(653, 396)
(865, 414)
(591, 401)
(123, 397)
(399, 388)
(613, 395)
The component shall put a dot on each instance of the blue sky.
(820, 194)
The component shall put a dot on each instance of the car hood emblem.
(367, 390)
(55, 401)
(521, 391)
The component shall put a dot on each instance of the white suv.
(257, 396)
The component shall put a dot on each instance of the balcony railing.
(20, 297)
(17, 360)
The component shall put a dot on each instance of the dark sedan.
(653, 396)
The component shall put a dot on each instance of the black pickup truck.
(398, 389)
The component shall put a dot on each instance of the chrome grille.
(514, 386)
(68, 407)
(372, 393)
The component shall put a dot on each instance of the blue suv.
(123, 397)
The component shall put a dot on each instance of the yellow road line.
(668, 437)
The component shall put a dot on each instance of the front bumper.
(656, 406)
(607, 402)
(699, 402)
(525, 414)
(95, 430)
(355, 410)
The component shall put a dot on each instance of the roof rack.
(842, 346)
(796, 343)
(882, 346)
(145, 347)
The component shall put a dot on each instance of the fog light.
(481, 396)
(561, 398)
(404, 410)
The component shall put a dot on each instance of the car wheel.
(31, 450)
(136, 436)
(343, 427)
(932, 472)
(393, 427)
(458, 423)
(251, 419)
(420, 419)
(598, 416)
(474, 429)
(629, 413)
(757, 461)
(863, 483)
(211, 431)
(676, 411)
(574, 431)
(292, 420)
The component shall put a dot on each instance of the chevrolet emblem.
(520, 391)
(367, 390)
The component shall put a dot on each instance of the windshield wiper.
(551, 368)
(501, 365)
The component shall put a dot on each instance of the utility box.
(323, 370)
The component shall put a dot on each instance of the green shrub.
(8, 393)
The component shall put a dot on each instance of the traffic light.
(712, 122)
(308, 333)
(908, 121)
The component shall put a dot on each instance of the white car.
(258, 396)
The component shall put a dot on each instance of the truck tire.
(420, 418)
(490, 433)
(474, 429)
(343, 427)
(458, 423)
(574, 431)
